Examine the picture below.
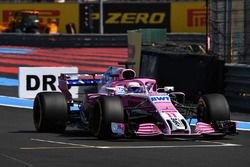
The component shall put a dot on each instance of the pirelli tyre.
(50, 112)
(106, 109)
(212, 108)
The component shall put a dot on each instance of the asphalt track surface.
(22, 146)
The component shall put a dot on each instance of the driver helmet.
(134, 87)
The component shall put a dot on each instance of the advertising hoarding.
(188, 17)
(121, 17)
(62, 13)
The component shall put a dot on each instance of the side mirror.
(110, 89)
(168, 89)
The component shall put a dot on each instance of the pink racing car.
(120, 104)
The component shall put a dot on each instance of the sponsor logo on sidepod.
(160, 99)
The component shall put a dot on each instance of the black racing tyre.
(212, 108)
(50, 112)
(107, 109)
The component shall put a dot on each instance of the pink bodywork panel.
(149, 90)
(148, 129)
(64, 87)
(203, 128)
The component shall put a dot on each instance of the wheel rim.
(202, 109)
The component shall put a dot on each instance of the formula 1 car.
(122, 105)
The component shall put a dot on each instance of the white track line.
(210, 144)
(17, 98)
(15, 106)
(16, 160)
(62, 143)
(174, 146)
(242, 129)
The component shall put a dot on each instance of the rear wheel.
(50, 112)
(107, 109)
(212, 108)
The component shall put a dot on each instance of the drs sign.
(48, 82)
(33, 80)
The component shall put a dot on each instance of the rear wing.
(66, 81)
(81, 79)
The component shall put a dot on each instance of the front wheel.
(107, 109)
(212, 108)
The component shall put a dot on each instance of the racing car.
(118, 104)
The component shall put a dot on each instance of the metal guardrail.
(237, 87)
